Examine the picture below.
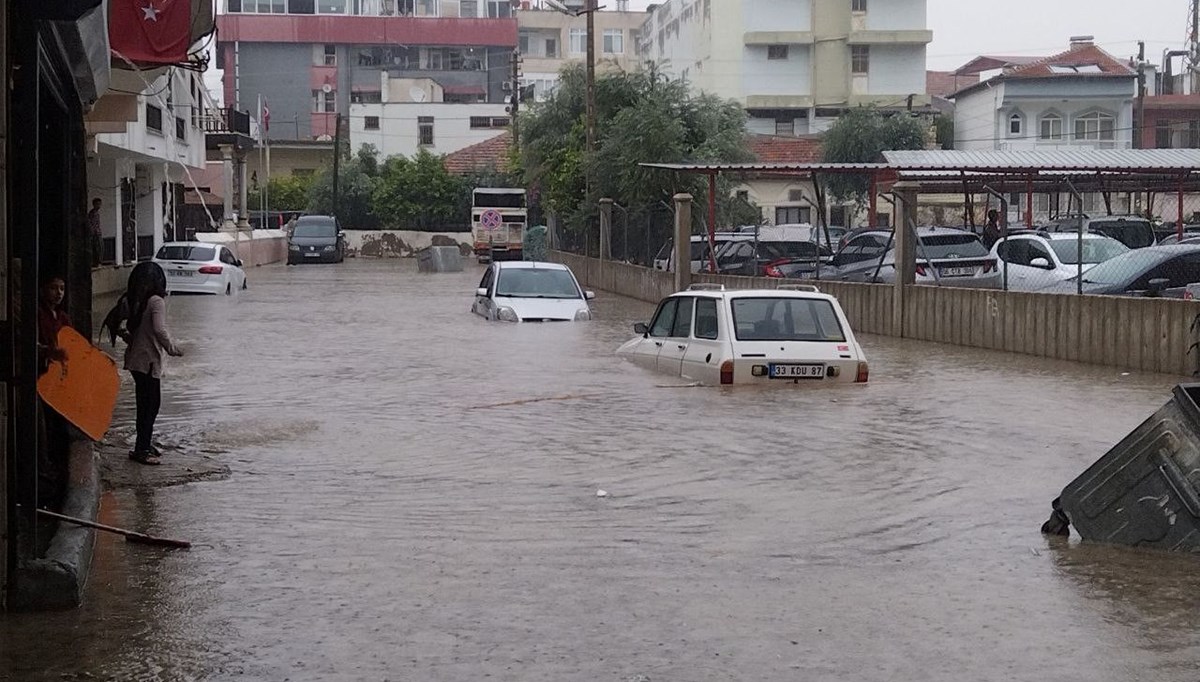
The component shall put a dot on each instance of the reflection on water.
(378, 526)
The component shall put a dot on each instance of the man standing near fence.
(991, 231)
(93, 222)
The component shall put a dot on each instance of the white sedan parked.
(712, 336)
(200, 268)
(1036, 260)
(527, 291)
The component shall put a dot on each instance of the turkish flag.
(150, 31)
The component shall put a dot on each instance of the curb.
(56, 581)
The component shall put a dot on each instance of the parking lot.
(413, 495)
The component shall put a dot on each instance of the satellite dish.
(327, 88)
(558, 6)
(417, 94)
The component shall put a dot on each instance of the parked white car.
(1036, 260)
(701, 255)
(712, 336)
(200, 268)
(527, 291)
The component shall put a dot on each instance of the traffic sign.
(491, 220)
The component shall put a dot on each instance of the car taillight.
(211, 270)
(772, 271)
(920, 271)
(727, 372)
(864, 373)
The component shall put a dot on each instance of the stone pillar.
(906, 251)
(243, 222)
(606, 208)
(227, 223)
(683, 241)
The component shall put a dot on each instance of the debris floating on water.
(601, 493)
(526, 401)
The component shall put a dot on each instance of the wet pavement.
(404, 503)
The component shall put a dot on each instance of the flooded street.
(396, 510)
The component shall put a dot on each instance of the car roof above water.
(728, 294)
(529, 264)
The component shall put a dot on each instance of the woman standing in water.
(146, 333)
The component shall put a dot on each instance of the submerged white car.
(527, 291)
(200, 268)
(712, 336)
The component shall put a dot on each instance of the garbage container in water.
(535, 245)
(439, 259)
(1144, 491)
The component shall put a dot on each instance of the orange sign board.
(84, 387)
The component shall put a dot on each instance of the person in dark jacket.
(991, 231)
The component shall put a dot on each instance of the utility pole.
(1140, 127)
(591, 76)
(515, 109)
(337, 156)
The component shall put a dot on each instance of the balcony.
(224, 126)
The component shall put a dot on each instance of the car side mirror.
(641, 328)
(589, 295)
(481, 292)
(237, 262)
(1040, 263)
(1158, 285)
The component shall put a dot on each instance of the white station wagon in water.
(525, 291)
(712, 336)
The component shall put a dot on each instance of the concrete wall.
(896, 15)
(897, 70)
(402, 243)
(1152, 335)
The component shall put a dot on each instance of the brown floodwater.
(398, 509)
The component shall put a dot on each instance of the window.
(860, 59)
(370, 123)
(682, 328)
(707, 326)
(331, 6)
(664, 321)
(1051, 127)
(786, 319)
(578, 44)
(180, 128)
(791, 215)
(552, 48)
(785, 126)
(837, 216)
(1094, 126)
(369, 97)
(523, 44)
(425, 131)
(777, 52)
(468, 8)
(154, 117)
(795, 195)
(614, 41)
(486, 122)
(324, 102)
(1014, 125)
(302, 7)
(743, 195)
(858, 6)
(500, 9)
(330, 55)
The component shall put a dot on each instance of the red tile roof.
(1173, 102)
(1082, 54)
(989, 62)
(946, 83)
(489, 154)
(785, 149)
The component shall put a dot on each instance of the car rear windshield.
(186, 252)
(1094, 250)
(1135, 234)
(789, 250)
(937, 246)
(700, 249)
(536, 283)
(786, 319)
(314, 229)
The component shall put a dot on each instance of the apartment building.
(794, 64)
(548, 40)
(313, 59)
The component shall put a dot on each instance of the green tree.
(862, 135)
(418, 193)
(357, 178)
(285, 193)
(945, 131)
(641, 117)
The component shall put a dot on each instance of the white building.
(413, 115)
(1083, 97)
(794, 64)
(140, 166)
(549, 40)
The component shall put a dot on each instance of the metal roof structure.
(1073, 160)
(788, 168)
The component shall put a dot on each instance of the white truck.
(498, 220)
